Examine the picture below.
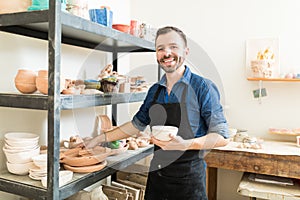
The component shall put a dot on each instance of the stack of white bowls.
(19, 148)
(39, 170)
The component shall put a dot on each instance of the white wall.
(221, 28)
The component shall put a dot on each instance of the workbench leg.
(211, 183)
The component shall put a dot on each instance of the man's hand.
(208, 141)
(176, 143)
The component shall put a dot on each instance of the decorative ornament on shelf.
(263, 65)
(262, 58)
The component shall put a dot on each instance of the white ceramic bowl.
(162, 132)
(19, 169)
(22, 148)
(21, 136)
(20, 143)
(40, 160)
(12, 150)
(21, 139)
(65, 176)
(21, 157)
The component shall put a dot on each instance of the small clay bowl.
(121, 27)
(25, 81)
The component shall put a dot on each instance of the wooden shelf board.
(285, 133)
(274, 79)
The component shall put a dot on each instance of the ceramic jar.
(42, 81)
(25, 81)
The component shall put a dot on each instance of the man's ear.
(187, 51)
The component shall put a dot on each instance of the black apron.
(175, 175)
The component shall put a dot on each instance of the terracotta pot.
(42, 81)
(25, 81)
(121, 27)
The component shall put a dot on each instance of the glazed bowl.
(92, 84)
(108, 86)
(163, 132)
(121, 27)
(19, 169)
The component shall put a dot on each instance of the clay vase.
(25, 81)
(42, 81)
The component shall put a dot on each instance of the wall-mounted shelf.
(287, 133)
(261, 80)
(274, 79)
(284, 131)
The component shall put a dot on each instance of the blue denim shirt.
(205, 113)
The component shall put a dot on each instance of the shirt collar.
(184, 79)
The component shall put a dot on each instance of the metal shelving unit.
(58, 27)
(68, 102)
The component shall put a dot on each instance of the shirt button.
(159, 166)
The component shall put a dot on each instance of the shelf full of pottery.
(27, 159)
(24, 156)
(109, 88)
(91, 11)
(52, 25)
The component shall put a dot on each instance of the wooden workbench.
(275, 158)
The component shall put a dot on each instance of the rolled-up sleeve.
(212, 111)
(141, 119)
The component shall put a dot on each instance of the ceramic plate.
(86, 169)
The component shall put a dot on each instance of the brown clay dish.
(86, 169)
(79, 157)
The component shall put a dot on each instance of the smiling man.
(189, 102)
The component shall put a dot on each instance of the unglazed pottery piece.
(21, 157)
(82, 157)
(25, 81)
(86, 169)
(19, 169)
(162, 132)
(65, 176)
(42, 81)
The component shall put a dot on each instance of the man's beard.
(173, 68)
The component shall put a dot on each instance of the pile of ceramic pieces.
(39, 170)
(65, 176)
(19, 148)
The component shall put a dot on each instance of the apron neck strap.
(183, 97)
